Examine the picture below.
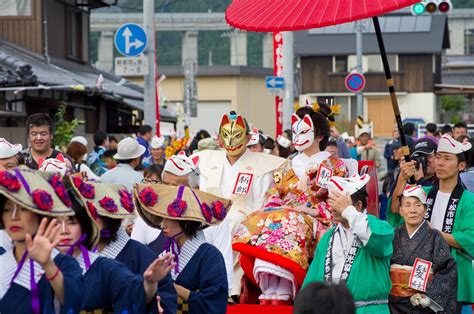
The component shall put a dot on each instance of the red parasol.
(293, 15)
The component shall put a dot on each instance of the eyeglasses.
(151, 181)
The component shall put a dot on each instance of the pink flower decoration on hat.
(92, 210)
(58, 185)
(9, 181)
(108, 204)
(87, 190)
(177, 208)
(126, 200)
(206, 212)
(42, 199)
(148, 196)
(218, 210)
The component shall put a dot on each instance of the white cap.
(415, 191)
(347, 185)
(8, 149)
(79, 139)
(129, 148)
(254, 137)
(449, 145)
(364, 130)
(283, 141)
(180, 164)
(157, 142)
(56, 165)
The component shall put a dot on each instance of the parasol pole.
(391, 88)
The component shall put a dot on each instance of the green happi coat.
(369, 279)
(463, 232)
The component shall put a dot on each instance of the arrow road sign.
(130, 39)
(274, 82)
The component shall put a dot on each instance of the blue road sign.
(130, 39)
(274, 82)
(355, 82)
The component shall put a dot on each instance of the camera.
(420, 159)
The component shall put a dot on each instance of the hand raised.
(159, 268)
(40, 247)
(339, 202)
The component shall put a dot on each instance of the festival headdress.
(415, 191)
(330, 111)
(347, 185)
(8, 149)
(99, 199)
(180, 164)
(449, 145)
(158, 201)
(43, 193)
(54, 165)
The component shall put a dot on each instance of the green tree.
(64, 130)
(454, 105)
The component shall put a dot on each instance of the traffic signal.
(431, 7)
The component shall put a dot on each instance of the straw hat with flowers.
(41, 192)
(100, 199)
(158, 201)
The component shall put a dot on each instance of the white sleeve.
(202, 183)
(260, 188)
(220, 237)
(358, 223)
(144, 233)
(90, 175)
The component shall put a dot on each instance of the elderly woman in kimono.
(34, 277)
(416, 243)
(200, 275)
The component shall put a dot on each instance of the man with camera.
(421, 166)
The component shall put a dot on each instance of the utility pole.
(288, 74)
(360, 95)
(149, 103)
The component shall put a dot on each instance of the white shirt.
(302, 162)
(439, 210)
(122, 174)
(343, 238)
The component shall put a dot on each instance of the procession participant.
(112, 204)
(357, 250)
(256, 142)
(8, 160)
(276, 243)
(182, 170)
(449, 210)
(34, 277)
(101, 142)
(237, 174)
(284, 146)
(78, 152)
(414, 246)
(157, 149)
(144, 137)
(109, 284)
(181, 213)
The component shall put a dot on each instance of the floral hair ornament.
(126, 200)
(58, 185)
(42, 199)
(178, 206)
(148, 196)
(108, 204)
(9, 181)
(86, 190)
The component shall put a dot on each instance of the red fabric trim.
(249, 253)
(258, 309)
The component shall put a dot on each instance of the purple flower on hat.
(9, 181)
(42, 199)
(206, 212)
(218, 210)
(108, 204)
(57, 183)
(126, 200)
(86, 190)
(177, 208)
(148, 196)
(92, 210)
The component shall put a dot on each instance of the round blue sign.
(130, 39)
(355, 82)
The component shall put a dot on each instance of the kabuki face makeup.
(303, 132)
(19, 221)
(233, 134)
